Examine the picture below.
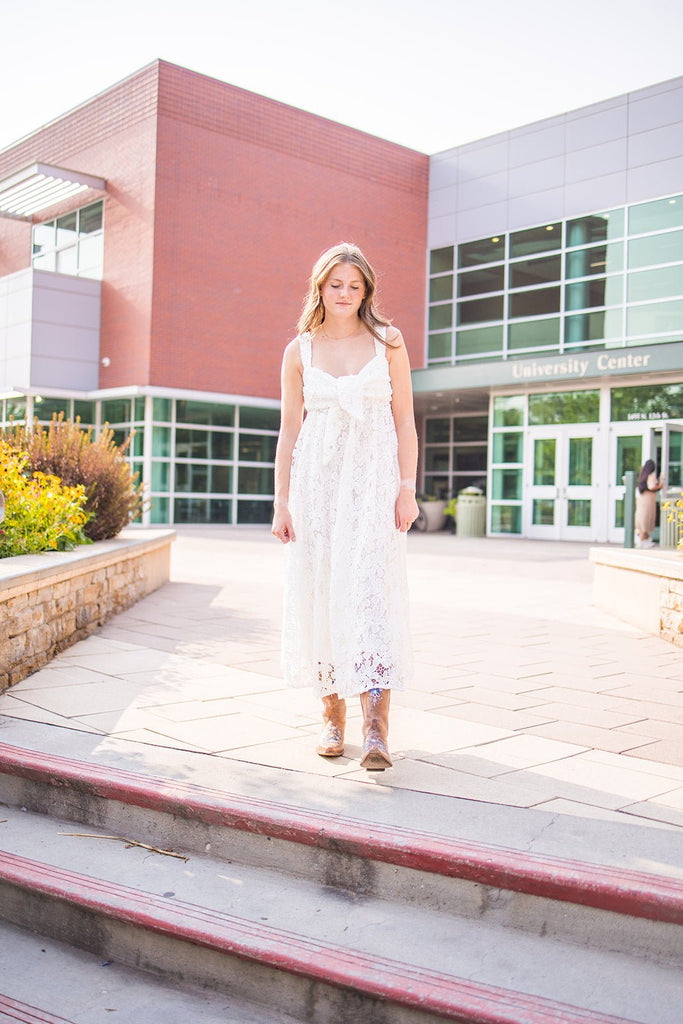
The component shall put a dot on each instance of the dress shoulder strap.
(379, 347)
(305, 349)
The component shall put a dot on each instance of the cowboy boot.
(334, 719)
(375, 705)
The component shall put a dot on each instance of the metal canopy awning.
(36, 188)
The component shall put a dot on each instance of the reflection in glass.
(629, 456)
(476, 282)
(479, 341)
(90, 218)
(161, 476)
(580, 462)
(650, 401)
(257, 418)
(257, 448)
(203, 444)
(250, 511)
(84, 410)
(533, 240)
(605, 323)
(162, 409)
(655, 249)
(485, 250)
(506, 519)
(46, 408)
(655, 318)
(470, 428)
(507, 483)
(436, 459)
(440, 317)
(440, 345)
(480, 310)
(438, 430)
(159, 512)
(675, 476)
(441, 288)
(579, 512)
(598, 227)
(535, 303)
(528, 273)
(544, 461)
(655, 216)
(564, 407)
(66, 229)
(534, 334)
(469, 460)
(116, 410)
(597, 292)
(655, 284)
(212, 414)
(256, 480)
(508, 410)
(507, 447)
(601, 259)
(543, 512)
(437, 486)
(441, 260)
(202, 510)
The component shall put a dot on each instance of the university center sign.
(591, 365)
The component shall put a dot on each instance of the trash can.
(471, 516)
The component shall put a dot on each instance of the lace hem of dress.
(370, 672)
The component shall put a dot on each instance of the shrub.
(67, 450)
(40, 512)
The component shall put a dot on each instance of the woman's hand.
(282, 527)
(406, 510)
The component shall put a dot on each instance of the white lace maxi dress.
(345, 627)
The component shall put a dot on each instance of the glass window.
(161, 476)
(629, 457)
(437, 459)
(91, 256)
(470, 428)
(67, 232)
(160, 511)
(139, 442)
(506, 519)
(598, 227)
(648, 402)
(116, 410)
(485, 250)
(90, 218)
(601, 291)
(480, 310)
(564, 407)
(44, 236)
(476, 282)
(534, 334)
(579, 512)
(67, 261)
(655, 249)
(533, 240)
(259, 419)
(543, 512)
(507, 447)
(544, 461)
(580, 462)
(202, 444)
(663, 213)
(438, 430)
(655, 284)
(436, 486)
(655, 318)
(440, 346)
(469, 459)
(508, 411)
(212, 414)
(441, 260)
(45, 261)
(601, 259)
(251, 511)
(203, 477)
(535, 303)
(606, 323)
(163, 409)
(507, 484)
(256, 480)
(84, 410)
(46, 408)
(71, 244)
(440, 317)
(139, 409)
(202, 510)
(257, 448)
(527, 273)
(479, 340)
(441, 288)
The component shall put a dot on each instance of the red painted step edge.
(429, 991)
(624, 891)
(13, 1011)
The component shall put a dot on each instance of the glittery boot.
(334, 719)
(375, 705)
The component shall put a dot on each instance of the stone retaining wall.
(51, 600)
(644, 588)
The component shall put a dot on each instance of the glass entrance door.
(561, 493)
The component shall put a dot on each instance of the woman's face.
(343, 291)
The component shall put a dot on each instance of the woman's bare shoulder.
(394, 338)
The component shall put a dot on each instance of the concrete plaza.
(525, 695)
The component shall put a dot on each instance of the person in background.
(646, 504)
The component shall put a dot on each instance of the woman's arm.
(404, 421)
(291, 418)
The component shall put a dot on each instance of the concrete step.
(600, 905)
(45, 981)
(314, 950)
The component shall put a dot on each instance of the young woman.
(344, 499)
(646, 504)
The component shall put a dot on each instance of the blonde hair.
(313, 312)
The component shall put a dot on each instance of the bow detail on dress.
(344, 396)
